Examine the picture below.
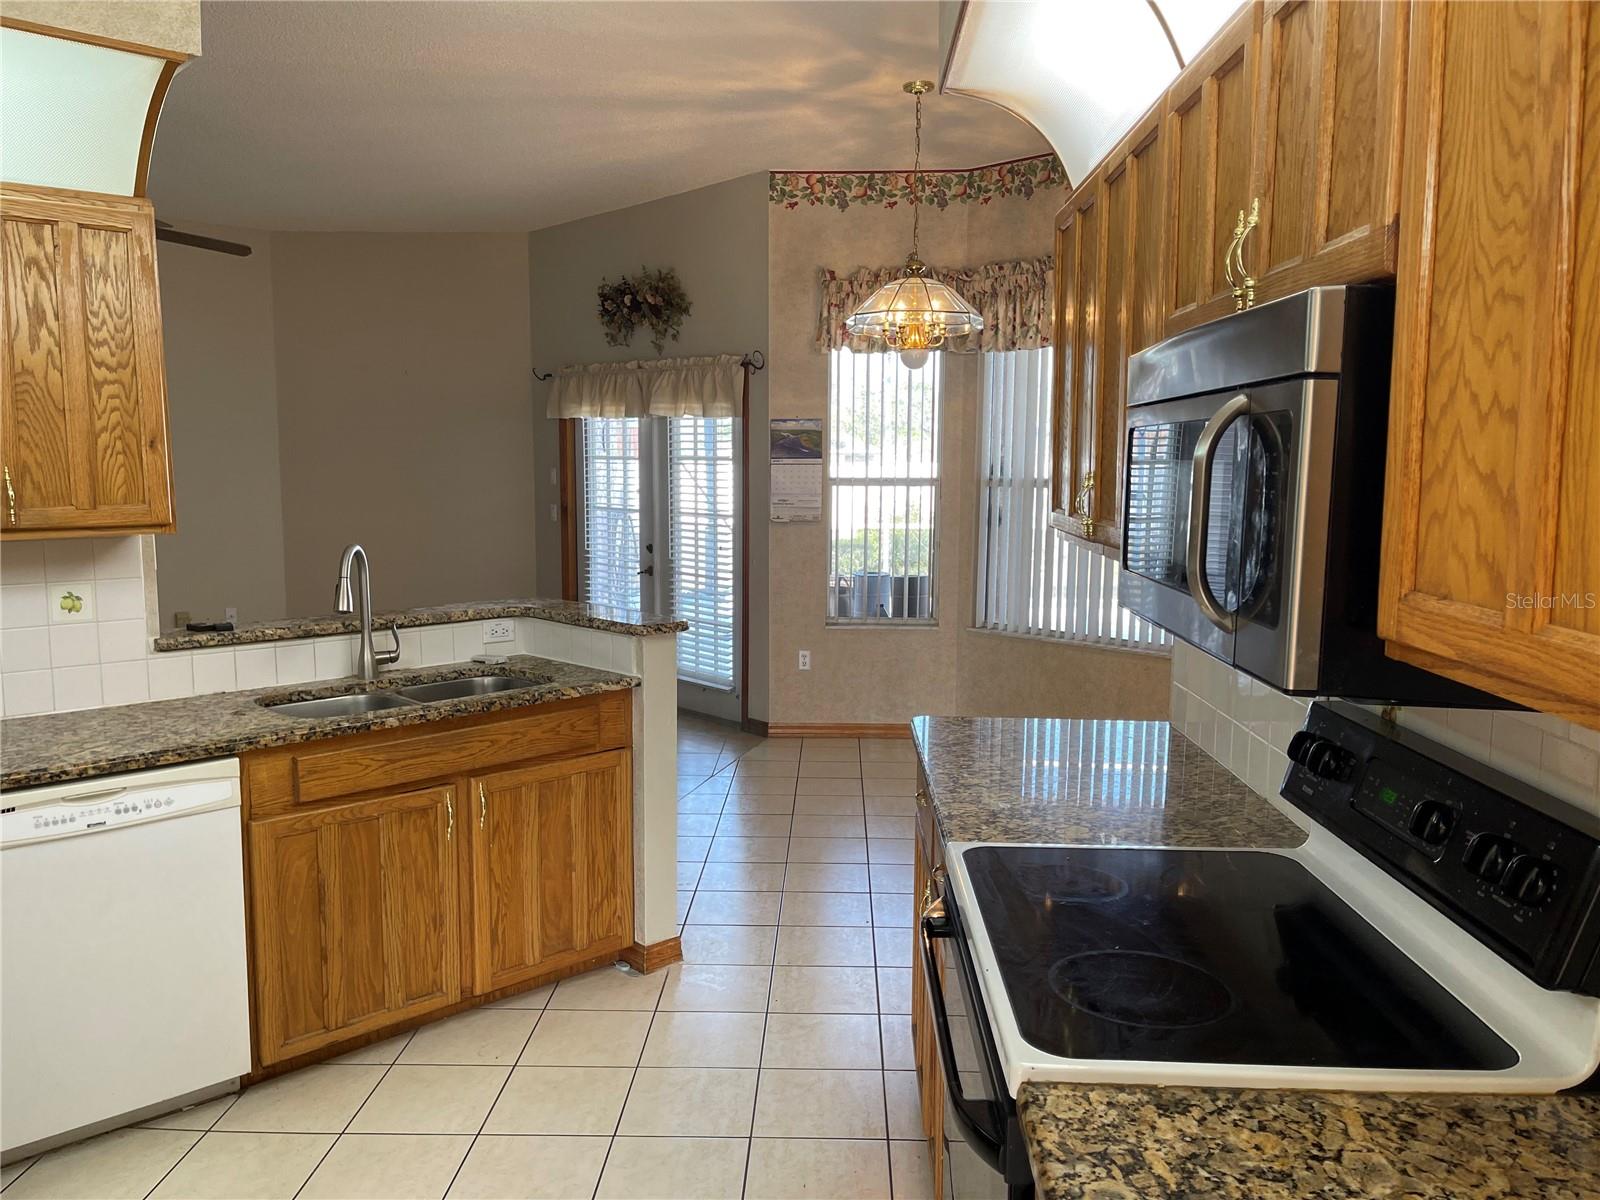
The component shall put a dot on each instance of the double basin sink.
(357, 703)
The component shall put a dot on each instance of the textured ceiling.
(468, 115)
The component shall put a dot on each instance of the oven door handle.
(1200, 511)
(978, 1118)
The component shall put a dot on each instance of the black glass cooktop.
(1224, 956)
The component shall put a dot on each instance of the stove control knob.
(1321, 756)
(1432, 821)
(1529, 881)
(1488, 856)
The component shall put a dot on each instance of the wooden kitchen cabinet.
(1491, 553)
(354, 918)
(1209, 114)
(926, 857)
(1327, 133)
(82, 387)
(552, 866)
(1108, 279)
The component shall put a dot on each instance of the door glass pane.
(702, 507)
(611, 511)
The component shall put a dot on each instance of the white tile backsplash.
(255, 667)
(213, 672)
(124, 682)
(74, 645)
(171, 676)
(1247, 725)
(296, 662)
(76, 687)
(28, 692)
(123, 641)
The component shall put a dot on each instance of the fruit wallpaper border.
(889, 189)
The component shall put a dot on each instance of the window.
(659, 513)
(1030, 579)
(883, 488)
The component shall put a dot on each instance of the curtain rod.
(754, 361)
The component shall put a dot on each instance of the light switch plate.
(498, 631)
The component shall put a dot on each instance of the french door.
(659, 531)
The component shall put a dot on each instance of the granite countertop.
(57, 747)
(1142, 783)
(1104, 783)
(636, 622)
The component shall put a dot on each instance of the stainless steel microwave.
(1253, 494)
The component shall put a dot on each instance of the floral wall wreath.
(654, 299)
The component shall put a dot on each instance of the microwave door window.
(1224, 549)
(1262, 496)
(1160, 466)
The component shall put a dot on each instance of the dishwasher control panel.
(109, 809)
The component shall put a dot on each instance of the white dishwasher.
(122, 960)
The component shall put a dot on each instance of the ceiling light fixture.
(914, 313)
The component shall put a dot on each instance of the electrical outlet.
(555, 512)
(805, 660)
(498, 631)
(231, 615)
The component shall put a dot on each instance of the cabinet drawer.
(316, 772)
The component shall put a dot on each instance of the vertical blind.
(883, 487)
(701, 500)
(1031, 580)
(612, 516)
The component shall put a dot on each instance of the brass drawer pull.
(483, 808)
(11, 499)
(450, 815)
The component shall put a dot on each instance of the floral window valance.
(1014, 299)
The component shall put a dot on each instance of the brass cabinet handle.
(1244, 285)
(450, 813)
(11, 499)
(1083, 506)
(933, 901)
(483, 808)
(922, 798)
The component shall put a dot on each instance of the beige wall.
(888, 675)
(160, 24)
(405, 414)
(222, 402)
(716, 239)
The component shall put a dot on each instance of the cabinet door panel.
(1064, 383)
(1490, 520)
(557, 803)
(39, 426)
(359, 946)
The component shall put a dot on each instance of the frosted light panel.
(71, 114)
(1081, 71)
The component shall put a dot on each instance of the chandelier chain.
(916, 179)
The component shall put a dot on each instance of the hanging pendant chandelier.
(914, 313)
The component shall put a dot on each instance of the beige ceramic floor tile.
(890, 878)
(890, 749)
(703, 800)
(734, 908)
(766, 768)
(693, 849)
(376, 1054)
(811, 805)
(894, 852)
(894, 946)
(888, 769)
(694, 987)
(387, 1166)
(820, 1104)
(911, 1172)
(844, 750)
(576, 1100)
(826, 877)
(898, 1054)
(828, 849)
(749, 825)
(681, 909)
(697, 824)
(431, 1100)
(904, 1099)
(823, 743)
(531, 1168)
(826, 908)
(894, 990)
(128, 1162)
(891, 827)
(795, 1168)
(828, 827)
(825, 946)
(695, 762)
(609, 987)
(655, 1168)
(828, 1042)
(532, 998)
(199, 1117)
(689, 875)
(586, 1038)
(742, 877)
(319, 1099)
(11, 1170)
(892, 909)
(814, 788)
(764, 785)
(479, 1037)
(824, 990)
(761, 805)
(749, 849)
(896, 789)
(733, 944)
(811, 768)
(245, 1166)
(689, 1102)
(776, 748)
(704, 1039)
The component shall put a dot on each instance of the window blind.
(883, 487)
(611, 511)
(701, 500)
(1030, 579)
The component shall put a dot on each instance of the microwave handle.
(1200, 511)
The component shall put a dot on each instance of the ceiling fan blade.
(166, 233)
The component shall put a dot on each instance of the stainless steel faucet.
(368, 660)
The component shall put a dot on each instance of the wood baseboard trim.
(645, 959)
(756, 726)
(897, 729)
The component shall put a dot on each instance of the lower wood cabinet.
(354, 918)
(552, 866)
(927, 857)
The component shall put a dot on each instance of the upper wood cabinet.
(82, 387)
(1210, 120)
(1327, 143)
(552, 866)
(1491, 557)
(1108, 280)
(353, 919)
